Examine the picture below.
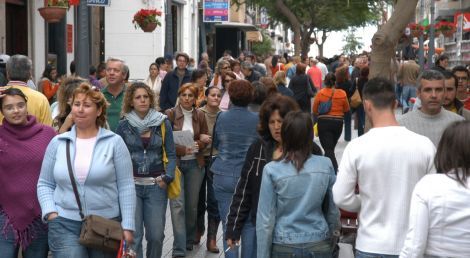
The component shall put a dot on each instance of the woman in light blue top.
(102, 169)
(296, 213)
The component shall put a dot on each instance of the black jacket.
(302, 87)
(245, 199)
(170, 86)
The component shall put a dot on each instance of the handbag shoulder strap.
(332, 93)
(72, 180)
(164, 158)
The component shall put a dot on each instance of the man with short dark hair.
(385, 164)
(18, 69)
(251, 58)
(116, 73)
(173, 81)
(462, 76)
(431, 118)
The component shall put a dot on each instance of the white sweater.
(386, 163)
(439, 219)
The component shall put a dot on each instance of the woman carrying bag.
(141, 130)
(100, 165)
(330, 120)
(185, 117)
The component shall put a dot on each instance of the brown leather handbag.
(96, 232)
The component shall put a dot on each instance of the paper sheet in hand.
(184, 138)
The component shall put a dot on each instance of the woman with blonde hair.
(100, 165)
(63, 120)
(141, 129)
(281, 83)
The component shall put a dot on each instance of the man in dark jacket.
(173, 80)
(250, 74)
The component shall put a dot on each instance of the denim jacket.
(149, 160)
(295, 207)
(235, 131)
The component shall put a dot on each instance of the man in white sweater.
(431, 119)
(386, 163)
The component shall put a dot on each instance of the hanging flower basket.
(146, 19)
(54, 10)
(446, 28)
(149, 27)
(53, 14)
(416, 30)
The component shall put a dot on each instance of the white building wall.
(37, 38)
(137, 48)
(140, 49)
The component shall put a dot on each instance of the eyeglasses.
(225, 67)
(464, 78)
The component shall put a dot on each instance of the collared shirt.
(113, 112)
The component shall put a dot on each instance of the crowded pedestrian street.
(235, 129)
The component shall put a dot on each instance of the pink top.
(83, 156)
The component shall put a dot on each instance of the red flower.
(146, 16)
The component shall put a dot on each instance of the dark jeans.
(320, 249)
(347, 125)
(209, 203)
(329, 131)
(361, 119)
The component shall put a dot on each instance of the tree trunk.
(282, 8)
(385, 40)
(320, 50)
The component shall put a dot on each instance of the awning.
(254, 36)
(238, 25)
(181, 2)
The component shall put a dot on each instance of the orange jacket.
(49, 88)
(339, 104)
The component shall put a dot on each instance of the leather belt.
(145, 180)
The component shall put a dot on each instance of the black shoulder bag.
(96, 232)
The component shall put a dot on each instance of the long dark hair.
(297, 138)
(280, 103)
(453, 152)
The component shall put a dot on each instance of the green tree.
(264, 47)
(353, 44)
(304, 17)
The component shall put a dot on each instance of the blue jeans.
(207, 199)
(407, 93)
(150, 213)
(398, 92)
(63, 241)
(38, 248)
(347, 125)
(361, 119)
(248, 239)
(224, 188)
(320, 249)
(360, 254)
(184, 208)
